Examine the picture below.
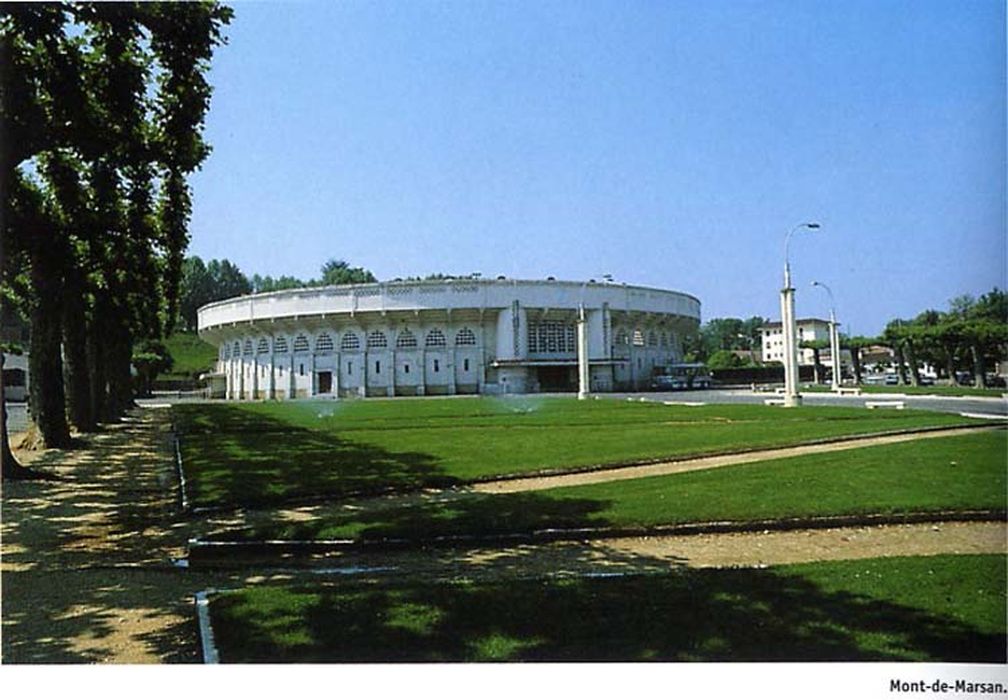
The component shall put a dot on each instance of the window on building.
(437, 365)
(300, 369)
(551, 336)
(247, 347)
(622, 337)
(406, 339)
(652, 339)
(262, 347)
(224, 351)
(280, 344)
(638, 338)
(465, 365)
(377, 339)
(301, 343)
(324, 344)
(405, 369)
(349, 367)
(465, 337)
(435, 339)
(237, 349)
(377, 367)
(350, 342)
(664, 340)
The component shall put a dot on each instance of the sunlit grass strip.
(271, 452)
(943, 608)
(947, 474)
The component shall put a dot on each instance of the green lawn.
(190, 355)
(962, 472)
(945, 608)
(263, 452)
(936, 389)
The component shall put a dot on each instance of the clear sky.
(670, 144)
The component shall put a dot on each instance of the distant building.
(456, 336)
(809, 330)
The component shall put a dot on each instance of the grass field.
(190, 356)
(944, 608)
(263, 452)
(950, 473)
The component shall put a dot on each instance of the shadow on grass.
(715, 615)
(258, 460)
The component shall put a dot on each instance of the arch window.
(377, 339)
(350, 342)
(406, 339)
(236, 351)
(280, 344)
(652, 339)
(262, 347)
(435, 339)
(638, 338)
(664, 339)
(465, 337)
(324, 344)
(301, 343)
(247, 347)
(622, 337)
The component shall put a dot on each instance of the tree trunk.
(979, 371)
(856, 361)
(97, 383)
(900, 365)
(78, 383)
(118, 354)
(950, 361)
(911, 355)
(46, 397)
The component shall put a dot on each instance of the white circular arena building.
(461, 336)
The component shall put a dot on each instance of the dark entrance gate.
(555, 378)
(324, 382)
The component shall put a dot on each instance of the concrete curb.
(207, 644)
(217, 553)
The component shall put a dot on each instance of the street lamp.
(834, 338)
(791, 396)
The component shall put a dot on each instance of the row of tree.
(101, 120)
(970, 338)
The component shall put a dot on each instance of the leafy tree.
(101, 116)
(339, 272)
(817, 347)
(724, 359)
(856, 344)
(150, 358)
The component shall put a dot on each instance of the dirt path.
(86, 573)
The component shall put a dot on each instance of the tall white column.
(834, 350)
(790, 332)
(582, 354)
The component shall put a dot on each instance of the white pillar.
(791, 395)
(582, 354)
(835, 350)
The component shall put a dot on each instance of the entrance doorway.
(325, 382)
(555, 378)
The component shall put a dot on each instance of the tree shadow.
(688, 615)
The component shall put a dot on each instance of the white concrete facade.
(808, 330)
(444, 337)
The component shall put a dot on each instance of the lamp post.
(791, 396)
(834, 338)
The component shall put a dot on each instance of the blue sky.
(670, 144)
